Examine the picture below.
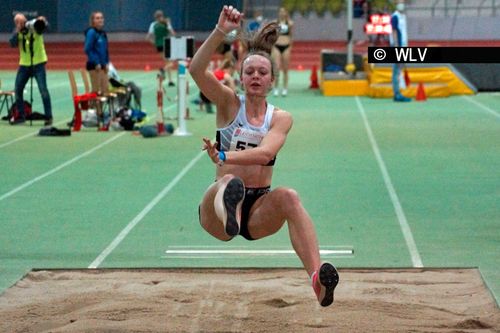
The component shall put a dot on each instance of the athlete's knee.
(227, 176)
(289, 198)
(225, 179)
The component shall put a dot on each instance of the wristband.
(220, 30)
(222, 158)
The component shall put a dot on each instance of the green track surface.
(442, 156)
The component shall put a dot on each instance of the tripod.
(32, 73)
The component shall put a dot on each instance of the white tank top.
(240, 134)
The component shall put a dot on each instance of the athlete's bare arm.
(265, 152)
(224, 97)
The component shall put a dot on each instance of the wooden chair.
(6, 98)
(85, 79)
(80, 102)
(86, 84)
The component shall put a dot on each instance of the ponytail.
(261, 43)
(264, 39)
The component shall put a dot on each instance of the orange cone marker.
(421, 97)
(314, 78)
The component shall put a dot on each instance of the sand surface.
(271, 300)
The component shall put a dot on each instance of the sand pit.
(271, 300)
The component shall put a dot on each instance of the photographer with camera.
(32, 59)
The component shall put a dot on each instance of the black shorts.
(282, 48)
(159, 48)
(91, 66)
(251, 195)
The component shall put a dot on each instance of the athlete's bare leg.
(99, 84)
(208, 217)
(285, 63)
(272, 210)
(168, 69)
(276, 55)
(268, 215)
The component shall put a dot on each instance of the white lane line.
(121, 236)
(54, 102)
(64, 82)
(36, 90)
(240, 247)
(8, 143)
(482, 106)
(58, 123)
(61, 166)
(65, 164)
(405, 227)
(254, 252)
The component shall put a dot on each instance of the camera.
(39, 25)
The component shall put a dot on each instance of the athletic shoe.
(324, 283)
(401, 98)
(284, 92)
(171, 84)
(228, 208)
(276, 92)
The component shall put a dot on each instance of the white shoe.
(276, 92)
(284, 92)
(227, 204)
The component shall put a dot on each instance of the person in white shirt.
(250, 134)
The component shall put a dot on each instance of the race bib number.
(245, 139)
